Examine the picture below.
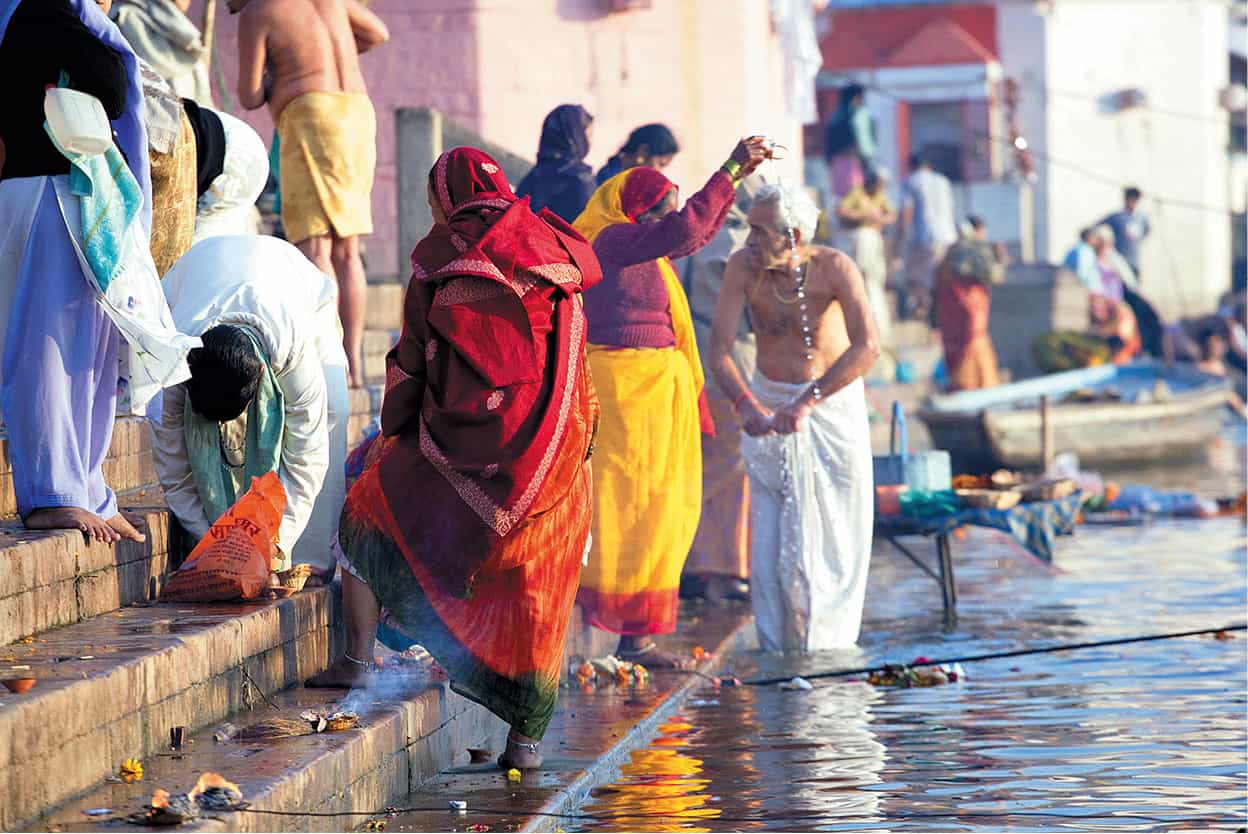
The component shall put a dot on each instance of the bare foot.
(522, 753)
(343, 674)
(124, 524)
(71, 518)
(650, 655)
(720, 589)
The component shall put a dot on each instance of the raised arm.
(678, 234)
(864, 342)
(728, 311)
(252, 32)
(369, 30)
(684, 232)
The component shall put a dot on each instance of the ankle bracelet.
(368, 667)
(531, 746)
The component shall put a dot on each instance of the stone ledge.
(385, 307)
(148, 669)
(398, 745)
(51, 578)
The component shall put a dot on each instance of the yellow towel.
(328, 156)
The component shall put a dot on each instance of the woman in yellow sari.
(644, 360)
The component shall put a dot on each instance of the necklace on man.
(808, 336)
(799, 286)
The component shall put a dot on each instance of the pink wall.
(709, 68)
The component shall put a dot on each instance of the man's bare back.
(775, 312)
(303, 46)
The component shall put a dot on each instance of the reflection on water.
(1147, 736)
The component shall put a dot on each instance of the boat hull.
(1099, 433)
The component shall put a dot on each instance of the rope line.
(1065, 647)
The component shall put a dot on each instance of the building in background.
(713, 70)
(1040, 111)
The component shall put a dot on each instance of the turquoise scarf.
(266, 422)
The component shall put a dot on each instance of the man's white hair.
(794, 208)
(1104, 232)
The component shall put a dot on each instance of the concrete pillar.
(418, 138)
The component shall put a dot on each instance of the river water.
(1149, 736)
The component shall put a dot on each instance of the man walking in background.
(301, 58)
(1130, 227)
(927, 231)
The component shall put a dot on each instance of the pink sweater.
(630, 308)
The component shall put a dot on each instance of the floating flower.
(132, 770)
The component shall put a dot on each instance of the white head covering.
(228, 206)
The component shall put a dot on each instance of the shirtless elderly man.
(302, 58)
(808, 445)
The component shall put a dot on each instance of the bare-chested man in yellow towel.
(302, 58)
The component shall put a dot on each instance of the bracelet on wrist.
(732, 168)
(743, 397)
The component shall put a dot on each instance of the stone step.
(127, 468)
(111, 688)
(51, 578)
(403, 739)
(385, 307)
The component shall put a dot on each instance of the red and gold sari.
(471, 519)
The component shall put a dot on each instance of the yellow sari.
(647, 461)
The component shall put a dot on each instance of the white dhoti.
(812, 510)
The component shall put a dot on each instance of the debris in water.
(315, 720)
(513, 775)
(1223, 635)
(375, 825)
(459, 805)
(700, 654)
(97, 812)
(213, 792)
(131, 770)
(268, 729)
(907, 677)
(18, 686)
(224, 733)
(342, 720)
(797, 685)
(478, 827)
(167, 810)
(729, 680)
(608, 670)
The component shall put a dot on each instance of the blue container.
(926, 471)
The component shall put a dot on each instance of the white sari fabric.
(812, 510)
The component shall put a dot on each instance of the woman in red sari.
(471, 520)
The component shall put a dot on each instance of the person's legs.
(319, 251)
(362, 613)
(59, 396)
(766, 596)
(352, 297)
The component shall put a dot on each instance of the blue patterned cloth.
(1035, 526)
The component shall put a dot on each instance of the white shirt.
(268, 285)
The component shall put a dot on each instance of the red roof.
(905, 36)
(939, 43)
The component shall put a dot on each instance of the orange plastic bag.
(232, 561)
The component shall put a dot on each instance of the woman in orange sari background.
(471, 519)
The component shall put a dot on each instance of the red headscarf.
(645, 188)
(487, 371)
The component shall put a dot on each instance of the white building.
(1109, 93)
